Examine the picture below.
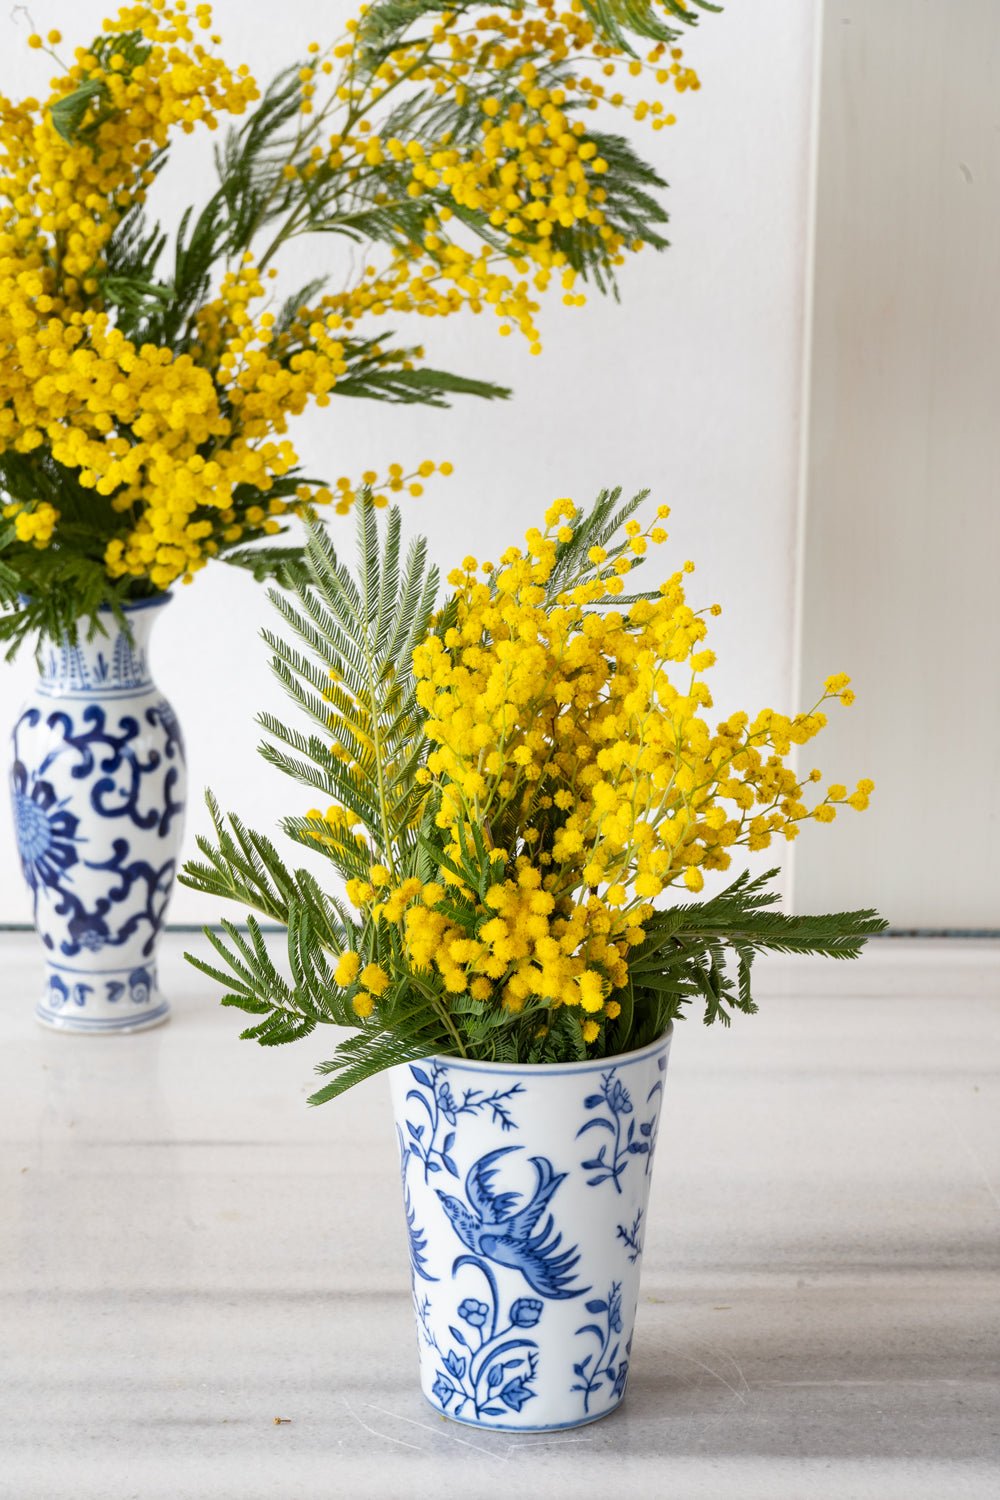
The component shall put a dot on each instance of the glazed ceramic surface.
(98, 787)
(525, 1191)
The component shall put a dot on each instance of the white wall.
(690, 387)
(903, 525)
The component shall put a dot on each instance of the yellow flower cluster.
(530, 169)
(506, 40)
(336, 830)
(588, 722)
(568, 738)
(133, 422)
(32, 523)
(526, 946)
(152, 73)
(382, 487)
(372, 981)
(184, 502)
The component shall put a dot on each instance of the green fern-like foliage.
(621, 20)
(343, 655)
(346, 667)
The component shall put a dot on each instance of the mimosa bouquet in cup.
(522, 802)
(523, 796)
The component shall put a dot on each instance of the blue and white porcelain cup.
(98, 785)
(526, 1193)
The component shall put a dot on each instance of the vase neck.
(112, 663)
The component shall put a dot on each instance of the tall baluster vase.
(98, 784)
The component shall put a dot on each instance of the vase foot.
(101, 1000)
(101, 1025)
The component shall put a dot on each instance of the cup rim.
(548, 1070)
(129, 607)
(134, 605)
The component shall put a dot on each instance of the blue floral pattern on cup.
(615, 1103)
(431, 1140)
(491, 1365)
(415, 1236)
(630, 1238)
(525, 1278)
(603, 1367)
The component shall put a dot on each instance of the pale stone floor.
(187, 1251)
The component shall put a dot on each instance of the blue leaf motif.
(443, 1389)
(631, 1237)
(458, 1336)
(416, 1237)
(455, 1365)
(595, 1161)
(596, 1306)
(495, 1377)
(420, 1076)
(516, 1393)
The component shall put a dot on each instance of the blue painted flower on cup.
(473, 1312)
(618, 1098)
(526, 1312)
(446, 1101)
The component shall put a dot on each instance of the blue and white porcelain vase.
(98, 784)
(526, 1191)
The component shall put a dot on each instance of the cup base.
(510, 1427)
